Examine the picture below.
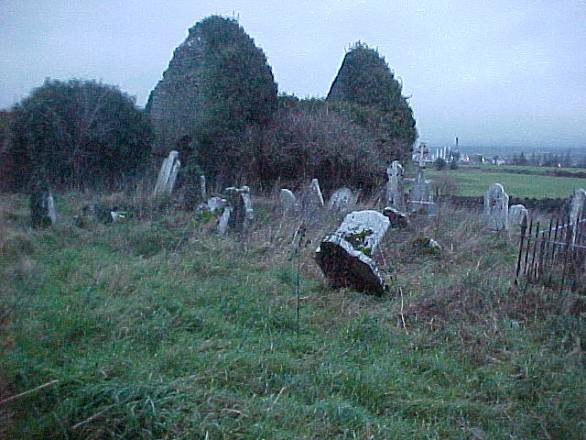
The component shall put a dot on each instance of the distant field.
(475, 182)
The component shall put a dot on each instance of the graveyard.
(160, 322)
(231, 261)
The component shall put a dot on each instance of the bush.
(77, 133)
(440, 164)
(366, 91)
(306, 141)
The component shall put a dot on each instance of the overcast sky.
(499, 72)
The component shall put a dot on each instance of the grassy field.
(475, 182)
(156, 328)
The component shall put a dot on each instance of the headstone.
(202, 188)
(43, 213)
(224, 220)
(168, 174)
(216, 203)
(345, 257)
(421, 195)
(516, 214)
(496, 207)
(343, 199)
(577, 212)
(397, 218)
(395, 193)
(313, 201)
(287, 200)
(241, 214)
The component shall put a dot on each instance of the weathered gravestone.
(202, 188)
(287, 200)
(43, 213)
(517, 213)
(395, 193)
(496, 207)
(576, 209)
(345, 257)
(421, 195)
(313, 201)
(168, 174)
(238, 215)
(343, 199)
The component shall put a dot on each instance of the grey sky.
(497, 72)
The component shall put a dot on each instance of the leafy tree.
(367, 92)
(77, 133)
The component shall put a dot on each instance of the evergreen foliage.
(367, 92)
(222, 89)
(78, 133)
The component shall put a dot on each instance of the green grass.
(156, 329)
(475, 182)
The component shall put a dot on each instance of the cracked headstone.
(343, 199)
(287, 201)
(421, 195)
(395, 192)
(313, 201)
(496, 207)
(345, 257)
(43, 213)
(516, 214)
(168, 174)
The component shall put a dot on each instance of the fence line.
(553, 255)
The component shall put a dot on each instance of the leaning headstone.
(224, 220)
(43, 213)
(345, 257)
(516, 214)
(287, 200)
(241, 214)
(343, 199)
(496, 207)
(313, 201)
(168, 174)
(395, 193)
(421, 195)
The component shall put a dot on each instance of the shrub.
(366, 91)
(77, 133)
(440, 164)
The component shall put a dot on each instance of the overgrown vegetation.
(76, 133)
(156, 329)
(366, 91)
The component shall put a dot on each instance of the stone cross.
(421, 155)
(496, 207)
(345, 257)
(168, 174)
(395, 195)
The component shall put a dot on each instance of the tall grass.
(158, 328)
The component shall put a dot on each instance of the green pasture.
(474, 182)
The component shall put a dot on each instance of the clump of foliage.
(366, 90)
(77, 133)
(5, 158)
(440, 164)
(222, 89)
(306, 140)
